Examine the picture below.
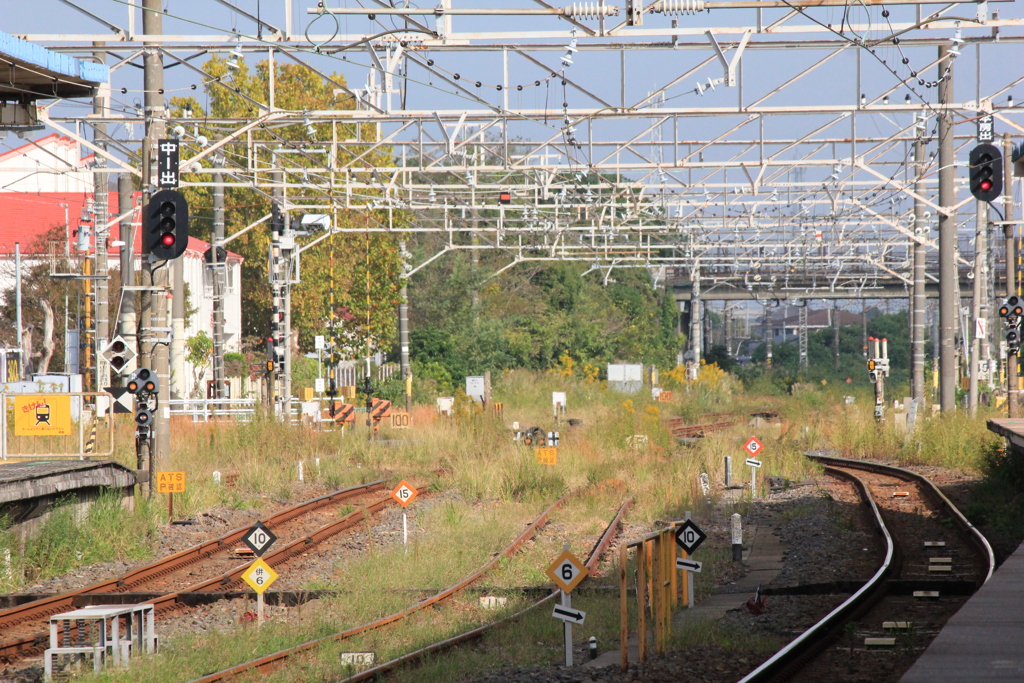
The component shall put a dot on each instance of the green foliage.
(363, 268)
(235, 364)
(109, 531)
(529, 318)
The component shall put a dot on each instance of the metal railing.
(79, 402)
(205, 409)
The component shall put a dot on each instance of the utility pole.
(727, 329)
(219, 268)
(101, 197)
(917, 301)
(948, 302)
(803, 335)
(127, 233)
(403, 327)
(980, 248)
(178, 383)
(835, 335)
(155, 356)
(1011, 267)
(768, 335)
(695, 322)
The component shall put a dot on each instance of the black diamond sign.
(259, 539)
(689, 536)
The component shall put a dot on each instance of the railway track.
(301, 526)
(273, 661)
(934, 560)
(593, 559)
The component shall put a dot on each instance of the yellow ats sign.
(42, 415)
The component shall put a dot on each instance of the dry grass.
(495, 486)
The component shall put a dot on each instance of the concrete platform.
(1012, 429)
(28, 490)
(984, 641)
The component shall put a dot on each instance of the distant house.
(786, 321)
(47, 183)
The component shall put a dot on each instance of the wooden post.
(649, 559)
(668, 555)
(675, 572)
(623, 608)
(657, 595)
(170, 507)
(641, 599)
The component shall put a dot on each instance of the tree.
(199, 352)
(351, 260)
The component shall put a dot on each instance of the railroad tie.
(879, 642)
(897, 625)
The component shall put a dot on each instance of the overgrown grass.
(67, 540)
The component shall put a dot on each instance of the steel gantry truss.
(764, 148)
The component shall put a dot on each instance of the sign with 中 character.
(42, 415)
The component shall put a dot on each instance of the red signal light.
(167, 240)
(986, 185)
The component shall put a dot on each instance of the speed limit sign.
(404, 494)
(689, 536)
(567, 571)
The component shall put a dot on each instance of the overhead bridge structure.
(754, 148)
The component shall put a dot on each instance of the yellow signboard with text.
(170, 482)
(42, 415)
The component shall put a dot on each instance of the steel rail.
(790, 658)
(592, 561)
(45, 607)
(974, 537)
(269, 662)
(874, 588)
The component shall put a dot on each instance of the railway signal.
(986, 172)
(166, 228)
(878, 370)
(118, 354)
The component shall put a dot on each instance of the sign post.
(689, 536)
(404, 494)
(754, 465)
(753, 447)
(259, 576)
(567, 571)
(170, 483)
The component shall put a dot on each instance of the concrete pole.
(727, 329)
(980, 248)
(768, 335)
(17, 314)
(695, 318)
(219, 273)
(948, 303)
(127, 235)
(154, 314)
(1011, 266)
(835, 335)
(917, 300)
(101, 197)
(403, 334)
(179, 388)
(289, 274)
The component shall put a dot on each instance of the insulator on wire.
(589, 10)
(673, 7)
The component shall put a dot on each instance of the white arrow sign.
(753, 463)
(688, 565)
(574, 616)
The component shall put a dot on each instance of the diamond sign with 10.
(259, 539)
(689, 536)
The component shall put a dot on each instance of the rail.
(592, 561)
(806, 644)
(45, 607)
(273, 660)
